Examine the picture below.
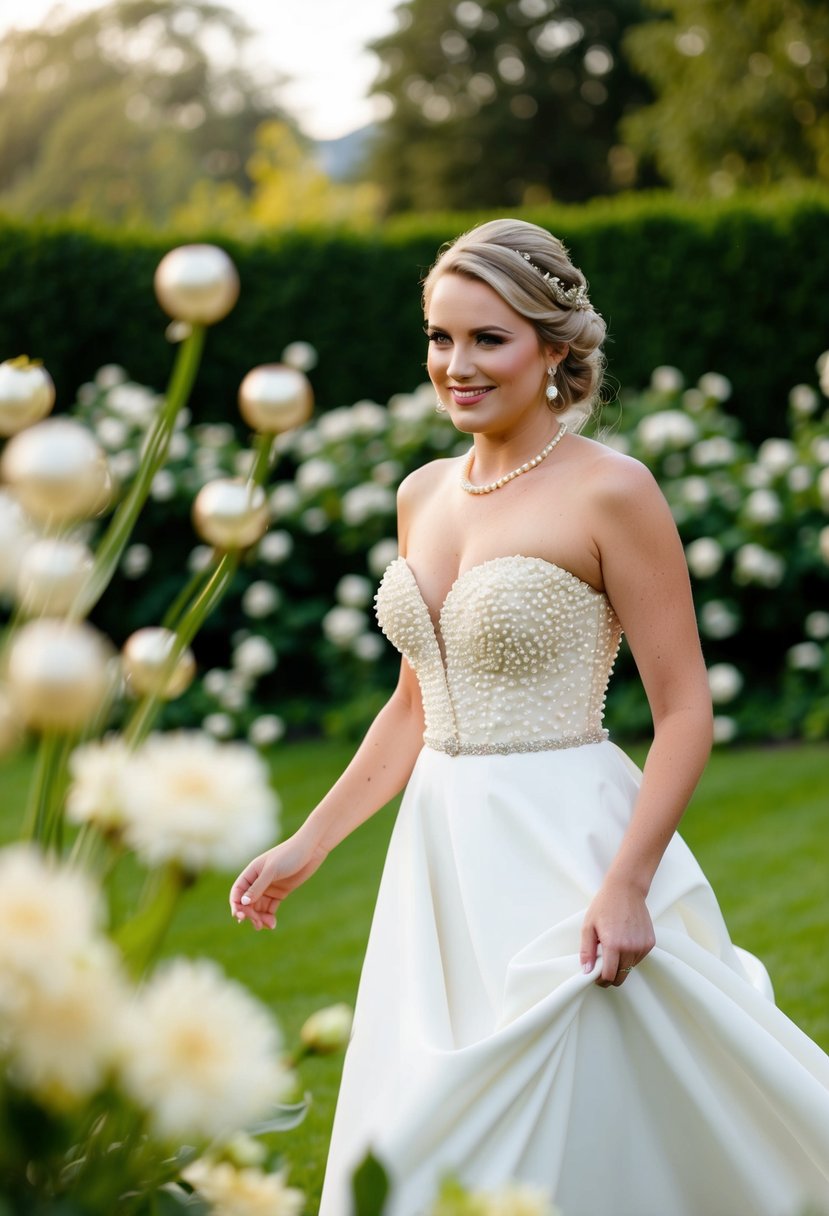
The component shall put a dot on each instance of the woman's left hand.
(618, 920)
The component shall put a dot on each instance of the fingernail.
(245, 899)
(587, 968)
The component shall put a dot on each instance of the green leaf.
(370, 1186)
(286, 1117)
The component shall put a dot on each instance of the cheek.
(433, 361)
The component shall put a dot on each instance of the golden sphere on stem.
(58, 471)
(52, 574)
(275, 397)
(197, 284)
(145, 659)
(27, 394)
(59, 674)
(231, 513)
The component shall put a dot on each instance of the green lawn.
(758, 825)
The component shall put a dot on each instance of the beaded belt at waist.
(453, 746)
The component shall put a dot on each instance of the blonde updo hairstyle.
(490, 253)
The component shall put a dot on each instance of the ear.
(555, 354)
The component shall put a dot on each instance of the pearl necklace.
(467, 485)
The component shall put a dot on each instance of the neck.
(496, 455)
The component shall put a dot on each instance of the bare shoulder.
(613, 480)
(424, 481)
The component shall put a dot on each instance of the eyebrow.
(481, 329)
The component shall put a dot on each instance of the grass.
(757, 825)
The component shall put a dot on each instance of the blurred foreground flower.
(514, 1199)
(327, 1030)
(232, 1191)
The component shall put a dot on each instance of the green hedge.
(737, 287)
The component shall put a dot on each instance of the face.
(485, 360)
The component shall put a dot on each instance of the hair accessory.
(570, 297)
(467, 485)
(551, 391)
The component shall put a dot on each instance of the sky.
(318, 43)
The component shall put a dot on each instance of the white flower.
(364, 501)
(820, 449)
(823, 544)
(215, 681)
(805, 656)
(694, 401)
(724, 681)
(695, 491)
(816, 625)
(710, 453)
(328, 1029)
(517, 1200)
(199, 558)
(666, 379)
(275, 547)
(369, 418)
(336, 425)
(314, 520)
(219, 726)
(163, 486)
(260, 599)
(308, 443)
(315, 475)
(231, 1191)
(300, 355)
(109, 375)
(265, 730)
(777, 455)
(113, 433)
(665, 430)
(354, 591)
(201, 803)
(283, 500)
(98, 770)
(216, 434)
(823, 487)
(122, 465)
(381, 555)
(343, 625)
(757, 476)
(255, 656)
(413, 407)
(136, 560)
(233, 697)
(200, 1053)
(799, 478)
(387, 473)
(133, 402)
(368, 647)
(717, 620)
(704, 556)
(714, 385)
(763, 507)
(64, 1038)
(725, 729)
(754, 564)
(49, 917)
(803, 400)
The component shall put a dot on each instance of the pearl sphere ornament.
(59, 674)
(275, 397)
(27, 394)
(197, 284)
(52, 573)
(145, 659)
(57, 470)
(231, 513)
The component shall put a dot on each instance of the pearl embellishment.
(467, 485)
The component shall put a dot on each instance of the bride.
(549, 992)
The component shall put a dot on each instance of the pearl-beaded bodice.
(527, 653)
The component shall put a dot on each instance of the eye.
(490, 340)
(438, 337)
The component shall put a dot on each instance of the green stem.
(188, 592)
(36, 819)
(190, 621)
(262, 464)
(153, 456)
(140, 939)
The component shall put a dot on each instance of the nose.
(461, 365)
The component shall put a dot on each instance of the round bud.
(196, 283)
(275, 397)
(51, 575)
(27, 394)
(146, 662)
(59, 674)
(230, 513)
(58, 471)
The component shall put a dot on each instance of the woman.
(549, 992)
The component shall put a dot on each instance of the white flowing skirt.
(481, 1049)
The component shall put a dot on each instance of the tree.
(113, 114)
(504, 102)
(741, 88)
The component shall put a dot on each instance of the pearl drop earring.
(551, 391)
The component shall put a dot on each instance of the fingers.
(589, 946)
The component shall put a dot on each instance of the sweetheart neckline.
(490, 561)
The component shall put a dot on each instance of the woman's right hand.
(270, 877)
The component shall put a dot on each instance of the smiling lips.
(469, 396)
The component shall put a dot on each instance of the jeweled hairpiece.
(569, 297)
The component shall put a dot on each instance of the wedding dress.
(480, 1048)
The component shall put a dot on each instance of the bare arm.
(646, 579)
(380, 768)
